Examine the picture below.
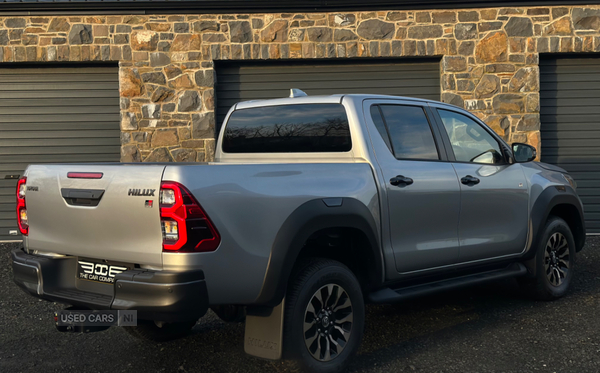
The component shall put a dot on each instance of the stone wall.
(489, 60)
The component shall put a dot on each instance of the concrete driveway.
(491, 328)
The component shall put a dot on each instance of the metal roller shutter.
(241, 81)
(54, 115)
(570, 112)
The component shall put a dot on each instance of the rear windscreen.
(288, 129)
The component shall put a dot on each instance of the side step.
(388, 295)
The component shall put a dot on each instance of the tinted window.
(410, 132)
(380, 125)
(288, 129)
(470, 141)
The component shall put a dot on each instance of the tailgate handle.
(82, 197)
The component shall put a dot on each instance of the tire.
(148, 330)
(343, 318)
(230, 313)
(554, 262)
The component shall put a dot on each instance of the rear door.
(494, 196)
(114, 217)
(423, 194)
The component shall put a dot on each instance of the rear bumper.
(155, 295)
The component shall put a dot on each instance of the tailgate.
(107, 218)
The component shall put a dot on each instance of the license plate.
(98, 272)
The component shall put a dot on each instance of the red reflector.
(85, 175)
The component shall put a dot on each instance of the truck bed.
(247, 203)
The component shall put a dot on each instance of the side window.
(470, 141)
(410, 132)
(378, 120)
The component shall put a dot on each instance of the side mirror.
(523, 152)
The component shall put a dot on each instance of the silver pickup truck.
(313, 207)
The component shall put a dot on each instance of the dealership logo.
(142, 192)
(100, 269)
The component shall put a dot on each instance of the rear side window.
(409, 132)
(288, 129)
(380, 125)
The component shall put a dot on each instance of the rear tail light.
(22, 207)
(185, 226)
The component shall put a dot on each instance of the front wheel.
(324, 316)
(554, 262)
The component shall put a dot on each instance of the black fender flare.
(547, 200)
(307, 219)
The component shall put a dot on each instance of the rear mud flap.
(264, 334)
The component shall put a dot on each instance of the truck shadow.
(458, 327)
(395, 334)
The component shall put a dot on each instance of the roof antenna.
(295, 92)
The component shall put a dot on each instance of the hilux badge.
(141, 192)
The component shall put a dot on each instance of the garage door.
(50, 115)
(570, 116)
(240, 81)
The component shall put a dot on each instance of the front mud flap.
(264, 334)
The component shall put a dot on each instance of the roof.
(254, 6)
(328, 99)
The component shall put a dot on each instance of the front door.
(494, 196)
(423, 194)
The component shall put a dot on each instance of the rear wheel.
(324, 316)
(554, 262)
(159, 332)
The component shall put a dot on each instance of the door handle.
(469, 180)
(401, 180)
(82, 197)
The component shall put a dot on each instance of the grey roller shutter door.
(54, 115)
(242, 81)
(570, 117)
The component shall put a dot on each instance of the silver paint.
(248, 205)
(249, 196)
(493, 213)
(120, 228)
